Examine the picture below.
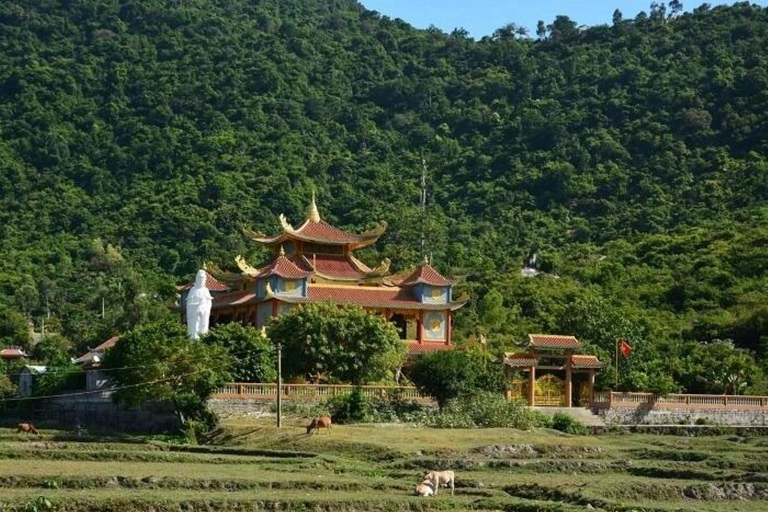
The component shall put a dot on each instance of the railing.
(677, 401)
(268, 391)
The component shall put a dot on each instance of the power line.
(97, 391)
(63, 370)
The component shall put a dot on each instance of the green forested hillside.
(138, 137)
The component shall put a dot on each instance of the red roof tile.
(233, 299)
(416, 348)
(335, 266)
(283, 267)
(520, 360)
(12, 353)
(89, 356)
(582, 361)
(553, 341)
(324, 232)
(370, 296)
(211, 283)
(426, 274)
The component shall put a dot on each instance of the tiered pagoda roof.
(316, 230)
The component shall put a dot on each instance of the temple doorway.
(401, 324)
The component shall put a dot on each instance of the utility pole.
(423, 202)
(279, 385)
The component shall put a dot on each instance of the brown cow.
(318, 423)
(26, 427)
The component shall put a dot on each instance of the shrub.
(353, 407)
(568, 424)
(447, 375)
(485, 410)
(253, 355)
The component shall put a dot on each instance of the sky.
(482, 17)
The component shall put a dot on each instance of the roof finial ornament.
(426, 259)
(282, 250)
(313, 213)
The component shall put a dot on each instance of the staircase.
(582, 414)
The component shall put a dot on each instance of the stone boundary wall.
(94, 411)
(680, 415)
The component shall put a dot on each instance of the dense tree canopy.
(253, 355)
(138, 137)
(325, 342)
(158, 362)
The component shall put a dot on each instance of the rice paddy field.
(251, 465)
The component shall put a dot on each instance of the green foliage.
(60, 377)
(158, 362)
(449, 374)
(484, 410)
(353, 407)
(342, 344)
(13, 328)
(568, 424)
(53, 349)
(253, 355)
(630, 158)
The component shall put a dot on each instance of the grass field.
(251, 465)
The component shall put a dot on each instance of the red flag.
(625, 348)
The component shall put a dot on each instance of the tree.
(618, 17)
(253, 355)
(493, 314)
(338, 343)
(449, 374)
(158, 362)
(14, 329)
(675, 7)
(541, 29)
(53, 349)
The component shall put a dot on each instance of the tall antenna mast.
(423, 202)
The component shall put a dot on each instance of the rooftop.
(424, 274)
(556, 341)
(314, 229)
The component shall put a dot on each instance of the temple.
(547, 356)
(315, 263)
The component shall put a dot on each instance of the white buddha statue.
(199, 302)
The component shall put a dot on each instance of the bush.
(253, 356)
(568, 424)
(447, 375)
(355, 407)
(485, 410)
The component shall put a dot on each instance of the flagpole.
(617, 365)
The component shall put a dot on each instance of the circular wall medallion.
(436, 293)
(435, 325)
(290, 285)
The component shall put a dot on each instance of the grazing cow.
(26, 427)
(425, 489)
(318, 423)
(438, 478)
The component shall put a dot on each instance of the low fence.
(268, 391)
(609, 400)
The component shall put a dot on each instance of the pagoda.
(315, 263)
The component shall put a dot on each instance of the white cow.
(438, 478)
(424, 489)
